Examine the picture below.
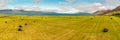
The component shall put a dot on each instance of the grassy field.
(59, 28)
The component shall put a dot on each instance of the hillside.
(115, 11)
(102, 12)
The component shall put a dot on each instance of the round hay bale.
(34, 21)
(105, 30)
(5, 21)
(20, 26)
(22, 19)
(13, 20)
(26, 24)
(91, 18)
(111, 18)
(19, 29)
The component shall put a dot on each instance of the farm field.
(59, 28)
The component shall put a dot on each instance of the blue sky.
(43, 3)
(49, 3)
(67, 6)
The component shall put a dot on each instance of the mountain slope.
(115, 11)
(102, 12)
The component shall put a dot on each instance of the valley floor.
(59, 28)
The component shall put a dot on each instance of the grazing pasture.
(59, 28)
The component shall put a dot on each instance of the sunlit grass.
(59, 28)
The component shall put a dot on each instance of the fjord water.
(48, 14)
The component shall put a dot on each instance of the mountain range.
(30, 13)
(115, 11)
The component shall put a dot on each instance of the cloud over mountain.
(111, 4)
(90, 7)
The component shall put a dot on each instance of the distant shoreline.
(43, 15)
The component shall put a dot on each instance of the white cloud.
(34, 8)
(112, 3)
(67, 2)
(57, 9)
(63, 9)
(90, 7)
(27, 8)
(36, 1)
(67, 10)
(3, 4)
(3, 1)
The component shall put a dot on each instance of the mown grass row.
(59, 28)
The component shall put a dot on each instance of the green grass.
(60, 28)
